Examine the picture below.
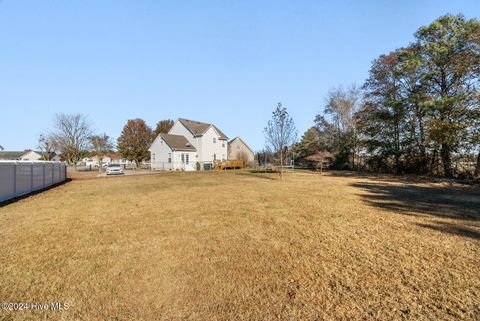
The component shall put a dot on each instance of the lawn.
(242, 246)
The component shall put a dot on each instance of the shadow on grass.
(444, 202)
(259, 174)
(440, 201)
(455, 229)
(406, 178)
(18, 198)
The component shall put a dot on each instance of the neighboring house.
(109, 158)
(31, 156)
(10, 155)
(1, 148)
(106, 159)
(238, 149)
(27, 155)
(54, 157)
(187, 143)
(117, 158)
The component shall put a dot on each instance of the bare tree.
(341, 107)
(101, 145)
(46, 145)
(280, 133)
(72, 135)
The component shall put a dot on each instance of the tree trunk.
(446, 160)
(477, 167)
(397, 148)
(74, 162)
(281, 163)
(423, 154)
(433, 161)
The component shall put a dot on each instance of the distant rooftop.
(11, 155)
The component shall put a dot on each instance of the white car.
(114, 169)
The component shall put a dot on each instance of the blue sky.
(224, 62)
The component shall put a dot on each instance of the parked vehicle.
(91, 163)
(114, 169)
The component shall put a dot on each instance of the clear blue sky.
(224, 62)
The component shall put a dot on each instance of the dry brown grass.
(81, 173)
(241, 246)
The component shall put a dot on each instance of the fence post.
(53, 172)
(44, 174)
(14, 179)
(31, 177)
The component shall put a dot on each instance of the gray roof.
(177, 142)
(198, 128)
(11, 155)
(15, 155)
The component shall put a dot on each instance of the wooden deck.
(229, 164)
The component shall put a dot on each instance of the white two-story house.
(187, 144)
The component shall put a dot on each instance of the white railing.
(19, 178)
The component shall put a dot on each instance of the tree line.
(73, 137)
(418, 111)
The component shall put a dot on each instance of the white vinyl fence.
(18, 178)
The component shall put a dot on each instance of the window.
(214, 156)
(238, 146)
(183, 158)
(223, 145)
(187, 158)
(169, 157)
(153, 157)
(214, 140)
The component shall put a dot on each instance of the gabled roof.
(238, 137)
(14, 155)
(177, 142)
(11, 155)
(198, 128)
(50, 154)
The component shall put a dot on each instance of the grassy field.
(242, 246)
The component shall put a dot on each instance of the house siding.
(31, 156)
(237, 148)
(209, 149)
(159, 156)
(204, 145)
